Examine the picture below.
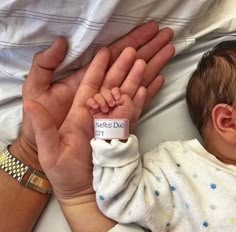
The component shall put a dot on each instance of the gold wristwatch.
(27, 176)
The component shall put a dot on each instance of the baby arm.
(126, 187)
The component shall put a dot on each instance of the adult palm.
(63, 131)
(57, 97)
(151, 45)
(65, 153)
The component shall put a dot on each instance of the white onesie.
(177, 187)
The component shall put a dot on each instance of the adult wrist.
(25, 152)
(23, 170)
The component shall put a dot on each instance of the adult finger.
(138, 100)
(136, 38)
(134, 79)
(43, 66)
(148, 50)
(120, 69)
(157, 62)
(93, 78)
(154, 87)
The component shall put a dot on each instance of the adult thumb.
(46, 134)
(44, 65)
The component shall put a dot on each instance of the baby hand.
(110, 104)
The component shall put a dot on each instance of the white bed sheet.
(198, 26)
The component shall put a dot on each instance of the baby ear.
(224, 121)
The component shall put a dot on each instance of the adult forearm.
(20, 207)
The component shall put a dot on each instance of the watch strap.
(24, 174)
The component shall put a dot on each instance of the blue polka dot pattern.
(213, 186)
(172, 188)
(205, 224)
(157, 193)
(102, 198)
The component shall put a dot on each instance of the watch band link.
(24, 174)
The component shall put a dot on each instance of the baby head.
(211, 98)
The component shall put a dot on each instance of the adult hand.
(67, 150)
(65, 153)
(151, 45)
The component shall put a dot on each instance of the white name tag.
(111, 128)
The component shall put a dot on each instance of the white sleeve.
(128, 189)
